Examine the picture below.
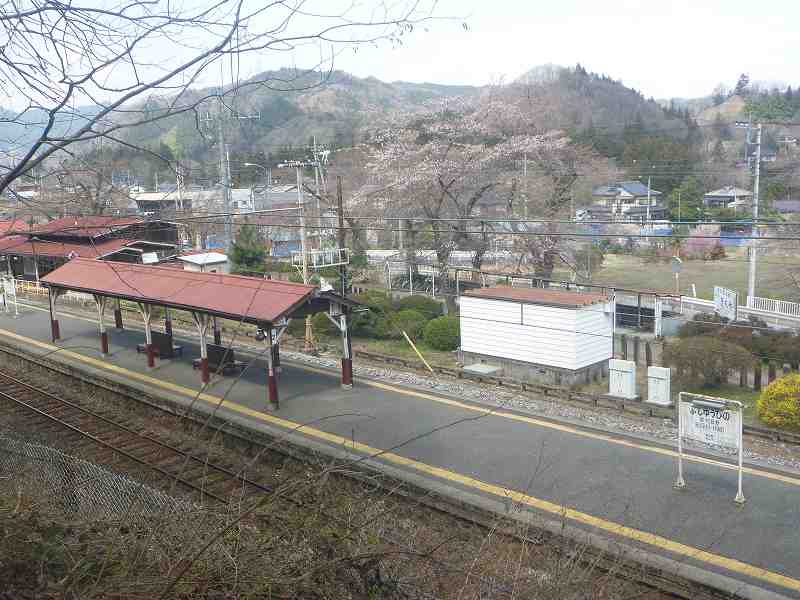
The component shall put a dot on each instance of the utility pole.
(648, 198)
(298, 165)
(225, 172)
(751, 280)
(340, 232)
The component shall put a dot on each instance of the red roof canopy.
(22, 244)
(547, 296)
(230, 296)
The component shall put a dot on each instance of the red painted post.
(272, 386)
(347, 372)
(118, 318)
(204, 370)
(276, 358)
(104, 343)
(55, 329)
(151, 356)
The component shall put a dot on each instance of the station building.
(33, 251)
(538, 335)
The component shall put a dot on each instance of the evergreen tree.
(742, 85)
(686, 201)
(247, 251)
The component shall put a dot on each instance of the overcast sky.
(670, 48)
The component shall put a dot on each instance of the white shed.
(205, 262)
(538, 334)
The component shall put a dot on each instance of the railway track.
(183, 468)
(206, 482)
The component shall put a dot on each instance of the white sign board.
(149, 258)
(710, 425)
(622, 378)
(658, 386)
(710, 420)
(726, 302)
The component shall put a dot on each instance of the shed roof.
(22, 244)
(203, 258)
(545, 296)
(90, 226)
(228, 296)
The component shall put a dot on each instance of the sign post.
(676, 263)
(710, 420)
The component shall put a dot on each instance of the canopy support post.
(337, 314)
(217, 335)
(167, 322)
(201, 322)
(55, 330)
(347, 350)
(118, 315)
(101, 302)
(272, 382)
(147, 314)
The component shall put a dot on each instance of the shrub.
(717, 252)
(706, 360)
(427, 307)
(410, 321)
(779, 403)
(372, 323)
(321, 325)
(443, 333)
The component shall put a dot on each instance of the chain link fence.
(78, 486)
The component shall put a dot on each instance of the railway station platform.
(595, 482)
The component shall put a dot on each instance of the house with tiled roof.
(626, 201)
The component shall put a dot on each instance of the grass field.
(772, 275)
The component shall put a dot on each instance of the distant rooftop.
(204, 258)
(633, 188)
(729, 191)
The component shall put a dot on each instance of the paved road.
(615, 485)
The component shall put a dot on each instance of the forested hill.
(337, 108)
(599, 109)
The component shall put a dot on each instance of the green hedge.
(410, 321)
(428, 307)
(443, 333)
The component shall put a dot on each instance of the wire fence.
(81, 487)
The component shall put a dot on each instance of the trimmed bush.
(410, 321)
(372, 323)
(427, 307)
(706, 360)
(443, 333)
(779, 403)
(321, 325)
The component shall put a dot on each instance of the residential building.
(626, 201)
(729, 196)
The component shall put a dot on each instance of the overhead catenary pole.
(341, 233)
(751, 278)
(224, 170)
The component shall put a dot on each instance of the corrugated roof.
(204, 258)
(546, 296)
(22, 244)
(92, 226)
(231, 296)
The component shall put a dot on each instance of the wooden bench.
(216, 355)
(162, 346)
